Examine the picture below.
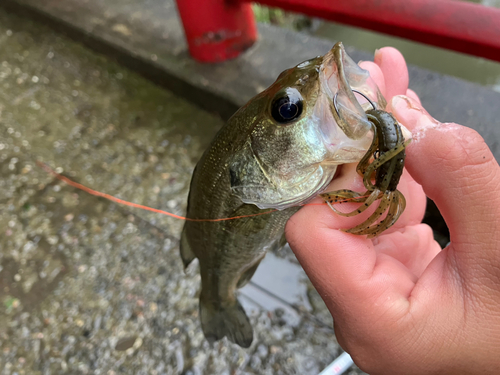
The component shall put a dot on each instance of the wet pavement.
(91, 287)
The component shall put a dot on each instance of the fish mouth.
(342, 123)
(340, 148)
(340, 75)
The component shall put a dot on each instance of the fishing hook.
(356, 91)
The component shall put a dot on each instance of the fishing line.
(123, 202)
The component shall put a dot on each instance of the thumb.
(457, 171)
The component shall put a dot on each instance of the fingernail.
(403, 103)
(400, 103)
(410, 114)
(407, 134)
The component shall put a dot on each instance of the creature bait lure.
(388, 153)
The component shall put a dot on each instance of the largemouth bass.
(278, 151)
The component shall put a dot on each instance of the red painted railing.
(217, 30)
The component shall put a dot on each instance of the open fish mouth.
(344, 127)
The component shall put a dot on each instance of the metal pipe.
(217, 30)
(460, 26)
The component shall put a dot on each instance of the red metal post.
(461, 26)
(217, 30)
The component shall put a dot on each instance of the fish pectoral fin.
(187, 254)
(247, 275)
(249, 272)
(230, 321)
(281, 243)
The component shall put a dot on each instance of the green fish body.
(278, 151)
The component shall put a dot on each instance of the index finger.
(389, 71)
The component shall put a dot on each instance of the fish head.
(302, 127)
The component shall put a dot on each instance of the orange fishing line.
(96, 193)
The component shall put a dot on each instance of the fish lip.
(341, 120)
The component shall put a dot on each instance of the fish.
(276, 153)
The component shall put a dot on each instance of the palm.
(400, 303)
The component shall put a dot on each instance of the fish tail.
(230, 321)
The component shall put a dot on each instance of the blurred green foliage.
(281, 18)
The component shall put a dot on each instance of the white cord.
(339, 365)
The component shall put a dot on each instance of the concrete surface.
(90, 287)
(147, 37)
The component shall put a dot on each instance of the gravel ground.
(91, 287)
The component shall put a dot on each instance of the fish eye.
(287, 106)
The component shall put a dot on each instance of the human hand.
(400, 304)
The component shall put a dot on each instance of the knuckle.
(464, 149)
(463, 160)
